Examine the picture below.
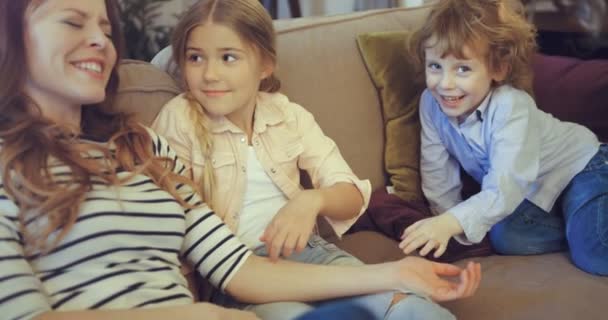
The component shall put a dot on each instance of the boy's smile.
(458, 84)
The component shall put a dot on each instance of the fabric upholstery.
(393, 73)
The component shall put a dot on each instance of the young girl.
(94, 211)
(246, 143)
(543, 182)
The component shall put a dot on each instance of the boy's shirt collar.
(478, 115)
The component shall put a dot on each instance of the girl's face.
(222, 71)
(459, 85)
(70, 54)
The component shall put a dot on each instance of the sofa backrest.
(322, 69)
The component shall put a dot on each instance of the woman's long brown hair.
(31, 145)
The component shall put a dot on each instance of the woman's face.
(70, 54)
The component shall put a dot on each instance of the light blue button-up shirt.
(513, 149)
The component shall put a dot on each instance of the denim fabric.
(339, 310)
(319, 251)
(585, 205)
(529, 230)
(582, 226)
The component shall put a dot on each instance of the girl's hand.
(426, 278)
(291, 227)
(432, 233)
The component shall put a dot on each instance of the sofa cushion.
(143, 90)
(573, 90)
(393, 74)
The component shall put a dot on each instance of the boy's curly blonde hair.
(497, 29)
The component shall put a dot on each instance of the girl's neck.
(244, 121)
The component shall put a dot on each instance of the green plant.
(144, 37)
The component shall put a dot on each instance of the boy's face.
(459, 85)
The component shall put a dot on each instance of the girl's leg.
(410, 307)
(529, 230)
(339, 310)
(585, 206)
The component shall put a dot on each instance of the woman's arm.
(196, 311)
(262, 281)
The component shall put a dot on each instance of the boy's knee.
(591, 258)
(587, 235)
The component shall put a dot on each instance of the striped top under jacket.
(123, 252)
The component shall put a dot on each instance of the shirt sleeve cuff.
(365, 188)
(468, 217)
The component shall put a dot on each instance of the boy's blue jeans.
(582, 225)
(377, 306)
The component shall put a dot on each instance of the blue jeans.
(319, 251)
(582, 225)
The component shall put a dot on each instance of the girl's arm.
(340, 201)
(193, 311)
(262, 281)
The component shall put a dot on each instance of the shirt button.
(243, 140)
(273, 170)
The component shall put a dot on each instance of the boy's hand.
(292, 226)
(432, 233)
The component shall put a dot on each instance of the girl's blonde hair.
(497, 29)
(253, 24)
(30, 145)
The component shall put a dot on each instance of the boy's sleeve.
(209, 245)
(21, 293)
(440, 172)
(514, 156)
(324, 163)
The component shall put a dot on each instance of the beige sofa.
(322, 69)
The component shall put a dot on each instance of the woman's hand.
(292, 226)
(431, 233)
(428, 278)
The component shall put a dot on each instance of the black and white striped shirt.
(123, 252)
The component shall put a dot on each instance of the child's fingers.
(415, 244)
(446, 269)
(302, 241)
(275, 245)
(290, 244)
(430, 245)
(439, 251)
(269, 233)
(411, 228)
